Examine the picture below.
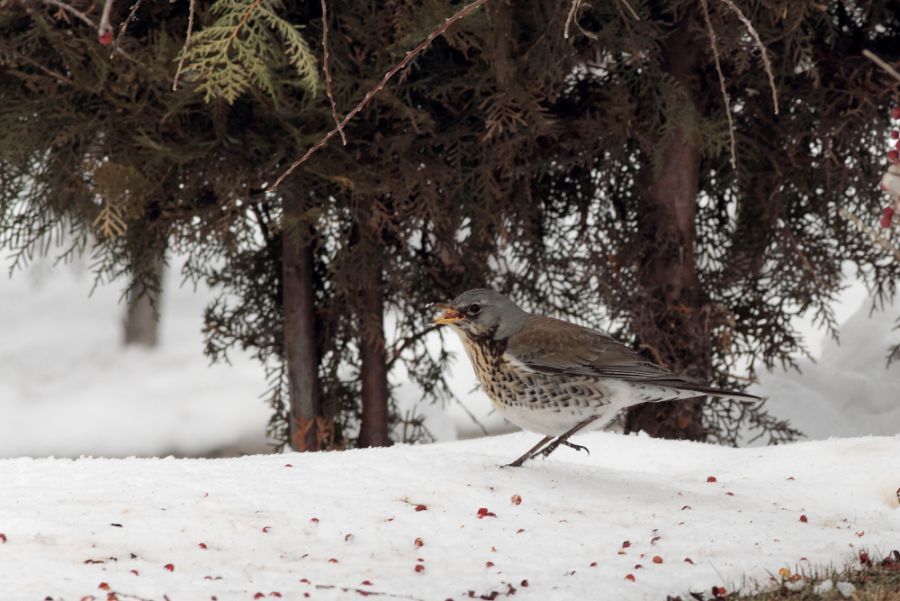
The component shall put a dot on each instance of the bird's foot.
(577, 447)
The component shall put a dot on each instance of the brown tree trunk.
(309, 430)
(670, 324)
(141, 322)
(373, 355)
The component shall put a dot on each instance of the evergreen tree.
(589, 175)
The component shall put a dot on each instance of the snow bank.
(849, 391)
(68, 387)
(405, 521)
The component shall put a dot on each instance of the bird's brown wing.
(552, 346)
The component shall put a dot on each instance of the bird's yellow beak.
(450, 315)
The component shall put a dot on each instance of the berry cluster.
(890, 183)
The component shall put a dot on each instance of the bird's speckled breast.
(509, 385)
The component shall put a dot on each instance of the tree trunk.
(373, 355)
(141, 322)
(670, 324)
(309, 429)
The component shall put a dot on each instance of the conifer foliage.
(620, 163)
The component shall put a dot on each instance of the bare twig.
(72, 11)
(570, 18)
(187, 42)
(365, 592)
(128, 19)
(725, 97)
(246, 17)
(762, 49)
(407, 58)
(875, 234)
(328, 89)
(878, 61)
(630, 8)
(104, 25)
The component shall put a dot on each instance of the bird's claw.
(577, 447)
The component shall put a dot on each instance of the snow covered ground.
(407, 522)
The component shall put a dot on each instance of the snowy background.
(69, 388)
(637, 519)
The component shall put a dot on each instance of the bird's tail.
(743, 397)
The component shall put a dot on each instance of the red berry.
(421, 507)
(2, 538)
(170, 567)
(489, 564)
(202, 545)
(332, 560)
(803, 518)
(657, 559)
(895, 134)
(420, 568)
(275, 594)
(863, 557)
(515, 500)
(366, 583)
(524, 583)
(103, 586)
(258, 596)
(895, 112)
(711, 479)
(719, 591)
(626, 544)
(629, 577)
(484, 512)
(893, 156)
(106, 38)
(314, 520)
(593, 564)
(419, 543)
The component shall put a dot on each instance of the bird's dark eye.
(474, 308)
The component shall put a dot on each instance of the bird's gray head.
(481, 313)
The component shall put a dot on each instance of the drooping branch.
(881, 63)
(407, 58)
(328, 86)
(762, 49)
(725, 97)
(187, 42)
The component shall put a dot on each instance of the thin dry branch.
(128, 19)
(187, 43)
(725, 97)
(407, 58)
(328, 88)
(881, 63)
(104, 25)
(630, 8)
(73, 11)
(873, 233)
(246, 17)
(762, 49)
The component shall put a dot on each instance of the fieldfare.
(554, 377)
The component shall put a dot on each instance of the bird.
(554, 377)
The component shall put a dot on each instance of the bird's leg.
(577, 447)
(564, 439)
(531, 453)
